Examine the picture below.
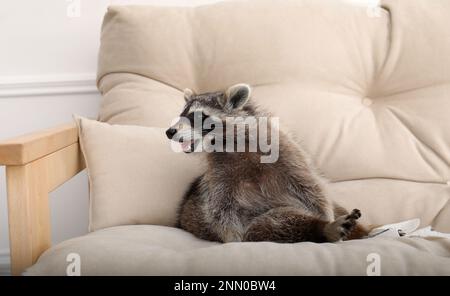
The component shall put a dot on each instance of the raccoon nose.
(171, 132)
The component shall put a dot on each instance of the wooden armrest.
(26, 148)
(36, 164)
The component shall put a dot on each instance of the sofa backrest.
(366, 90)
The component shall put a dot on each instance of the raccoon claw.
(342, 226)
(355, 214)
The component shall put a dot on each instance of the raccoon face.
(202, 113)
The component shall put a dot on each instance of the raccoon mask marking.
(203, 112)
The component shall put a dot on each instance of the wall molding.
(4, 262)
(47, 85)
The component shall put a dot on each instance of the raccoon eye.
(190, 116)
(204, 116)
(196, 116)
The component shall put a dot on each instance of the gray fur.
(240, 199)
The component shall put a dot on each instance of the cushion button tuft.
(367, 102)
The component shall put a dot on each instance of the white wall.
(48, 59)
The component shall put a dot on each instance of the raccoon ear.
(237, 95)
(188, 94)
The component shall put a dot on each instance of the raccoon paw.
(342, 226)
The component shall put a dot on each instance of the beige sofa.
(366, 90)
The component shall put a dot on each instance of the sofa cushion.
(366, 92)
(159, 250)
(125, 188)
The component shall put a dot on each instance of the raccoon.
(239, 198)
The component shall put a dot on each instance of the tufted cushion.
(367, 94)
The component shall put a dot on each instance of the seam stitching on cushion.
(414, 89)
(389, 39)
(387, 56)
(128, 72)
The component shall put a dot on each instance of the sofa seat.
(161, 250)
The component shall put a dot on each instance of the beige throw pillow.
(135, 177)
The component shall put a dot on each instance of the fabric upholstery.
(159, 250)
(366, 92)
(134, 176)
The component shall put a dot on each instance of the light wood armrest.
(36, 164)
(26, 148)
